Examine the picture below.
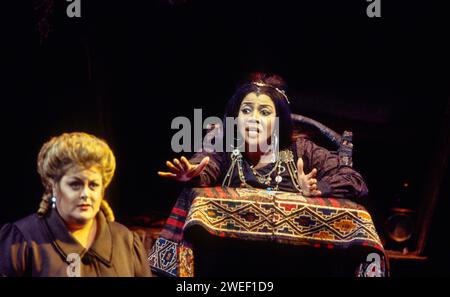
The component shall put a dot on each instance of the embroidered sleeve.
(213, 172)
(334, 179)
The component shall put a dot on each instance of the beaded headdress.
(282, 92)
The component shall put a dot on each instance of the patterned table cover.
(257, 214)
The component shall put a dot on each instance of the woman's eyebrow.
(75, 178)
(96, 179)
(247, 103)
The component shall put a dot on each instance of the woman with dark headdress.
(265, 154)
(73, 232)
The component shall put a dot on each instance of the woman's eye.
(246, 110)
(75, 185)
(266, 112)
(93, 186)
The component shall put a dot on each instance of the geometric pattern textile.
(282, 217)
(261, 215)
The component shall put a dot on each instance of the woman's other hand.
(182, 170)
(308, 182)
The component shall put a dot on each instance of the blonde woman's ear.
(51, 181)
(53, 187)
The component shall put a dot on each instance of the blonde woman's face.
(79, 194)
(256, 119)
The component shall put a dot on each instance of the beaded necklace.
(285, 161)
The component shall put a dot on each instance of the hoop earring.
(275, 147)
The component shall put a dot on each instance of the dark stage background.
(125, 69)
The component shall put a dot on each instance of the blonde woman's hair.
(63, 152)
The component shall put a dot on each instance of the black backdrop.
(124, 70)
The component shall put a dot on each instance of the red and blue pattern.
(255, 214)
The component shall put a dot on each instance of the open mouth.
(252, 129)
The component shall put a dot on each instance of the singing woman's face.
(256, 120)
(79, 194)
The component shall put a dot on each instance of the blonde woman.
(73, 232)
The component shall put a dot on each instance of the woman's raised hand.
(308, 182)
(182, 170)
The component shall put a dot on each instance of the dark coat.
(37, 246)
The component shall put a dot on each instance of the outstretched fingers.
(312, 174)
(172, 167)
(185, 163)
(199, 168)
(300, 167)
(312, 181)
(178, 164)
(167, 174)
(316, 193)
